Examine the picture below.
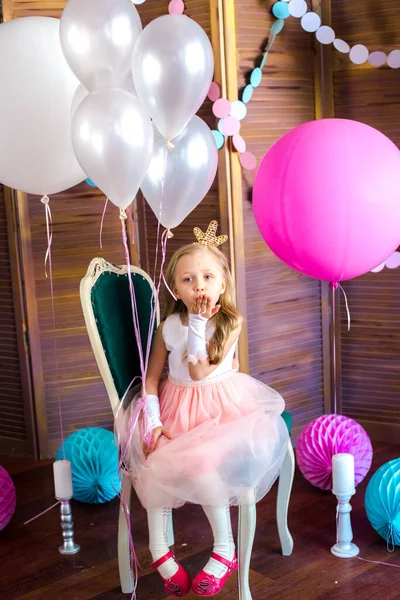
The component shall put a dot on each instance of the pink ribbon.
(45, 200)
(102, 222)
(43, 512)
(49, 227)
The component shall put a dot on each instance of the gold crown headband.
(209, 238)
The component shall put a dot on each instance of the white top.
(175, 336)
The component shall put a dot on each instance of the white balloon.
(178, 179)
(81, 92)
(98, 37)
(112, 136)
(172, 66)
(37, 86)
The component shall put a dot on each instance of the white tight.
(220, 521)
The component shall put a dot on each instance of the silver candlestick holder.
(67, 526)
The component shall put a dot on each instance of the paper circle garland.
(230, 126)
(256, 77)
(341, 46)
(94, 463)
(277, 26)
(280, 10)
(221, 108)
(310, 22)
(238, 110)
(382, 501)
(393, 60)
(328, 435)
(298, 8)
(377, 59)
(214, 92)
(239, 143)
(247, 93)
(176, 7)
(359, 54)
(219, 138)
(325, 35)
(248, 161)
(8, 498)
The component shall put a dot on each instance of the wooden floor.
(32, 569)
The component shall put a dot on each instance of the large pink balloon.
(327, 198)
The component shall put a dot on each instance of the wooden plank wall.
(283, 307)
(370, 368)
(13, 434)
(76, 224)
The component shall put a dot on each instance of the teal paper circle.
(219, 138)
(255, 77)
(247, 93)
(219, 126)
(238, 110)
(280, 10)
(277, 27)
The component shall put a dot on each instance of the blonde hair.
(226, 319)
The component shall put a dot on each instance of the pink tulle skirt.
(228, 443)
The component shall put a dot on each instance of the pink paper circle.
(214, 92)
(377, 58)
(359, 54)
(230, 126)
(393, 59)
(248, 161)
(393, 262)
(239, 143)
(176, 7)
(221, 108)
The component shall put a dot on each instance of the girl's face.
(198, 273)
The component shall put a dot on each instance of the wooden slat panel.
(76, 223)
(369, 352)
(12, 418)
(283, 307)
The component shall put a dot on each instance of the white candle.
(342, 473)
(62, 479)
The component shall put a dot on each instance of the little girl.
(218, 438)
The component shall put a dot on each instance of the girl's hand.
(202, 307)
(156, 434)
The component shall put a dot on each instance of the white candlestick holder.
(344, 548)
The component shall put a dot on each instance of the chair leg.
(170, 531)
(246, 532)
(124, 556)
(282, 504)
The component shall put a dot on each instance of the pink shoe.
(209, 585)
(178, 584)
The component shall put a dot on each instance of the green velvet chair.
(107, 310)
